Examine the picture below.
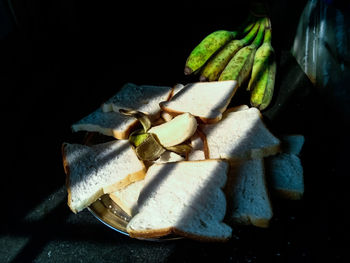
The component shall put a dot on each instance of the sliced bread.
(184, 198)
(285, 176)
(126, 198)
(247, 194)
(200, 150)
(107, 123)
(205, 100)
(292, 143)
(107, 119)
(99, 169)
(144, 98)
(240, 135)
(285, 170)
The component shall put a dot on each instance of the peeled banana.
(241, 64)
(216, 65)
(262, 80)
(176, 131)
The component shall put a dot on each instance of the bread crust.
(203, 137)
(174, 113)
(171, 94)
(67, 182)
(288, 194)
(258, 222)
(162, 232)
(154, 233)
(123, 135)
(129, 179)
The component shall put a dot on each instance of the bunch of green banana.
(246, 54)
(217, 63)
(211, 44)
(240, 66)
(262, 80)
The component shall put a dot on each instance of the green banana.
(241, 64)
(212, 43)
(207, 47)
(216, 65)
(262, 80)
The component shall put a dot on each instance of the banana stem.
(252, 33)
(247, 25)
(247, 29)
(267, 36)
(260, 35)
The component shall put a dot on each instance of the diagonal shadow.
(92, 159)
(37, 242)
(130, 96)
(39, 233)
(92, 155)
(53, 226)
(163, 174)
(191, 210)
(214, 107)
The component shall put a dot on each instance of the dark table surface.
(66, 59)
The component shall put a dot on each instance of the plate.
(111, 215)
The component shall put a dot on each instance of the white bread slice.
(292, 143)
(107, 119)
(107, 123)
(184, 198)
(126, 198)
(247, 194)
(205, 100)
(99, 169)
(286, 177)
(144, 98)
(240, 135)
(285, 170)
(199, 143)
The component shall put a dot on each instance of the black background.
(64, 58)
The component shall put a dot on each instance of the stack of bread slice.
(220, 183)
